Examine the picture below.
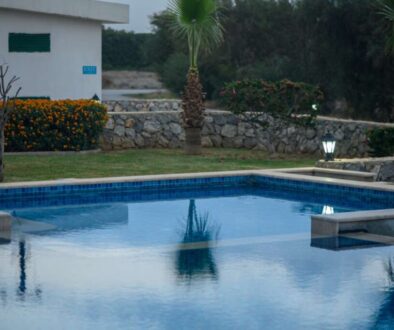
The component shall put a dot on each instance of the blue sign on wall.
(88, 69)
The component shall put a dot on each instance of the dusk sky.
(140, 10)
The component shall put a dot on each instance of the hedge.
(381, 142)
(285, 99)
(44, 125)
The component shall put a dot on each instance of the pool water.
(207, 260)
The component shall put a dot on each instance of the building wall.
(74, 43)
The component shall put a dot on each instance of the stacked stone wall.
(162, 129)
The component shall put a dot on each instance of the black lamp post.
(96, 98)
(329, 144)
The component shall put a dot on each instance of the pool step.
(5, 222)
(378, 222)
(332, 173)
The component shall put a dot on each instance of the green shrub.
(381, 142)
(43, 125)
(297, 102)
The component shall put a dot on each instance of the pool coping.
(282, 173)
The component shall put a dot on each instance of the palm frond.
(386, 9)
(198, 21)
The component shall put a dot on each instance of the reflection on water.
(22, 269)
(119, 266)
(194, 256)
(328, 210)
(22, 292)
(385, 314)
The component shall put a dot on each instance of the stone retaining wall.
(382, 167)
(223, 129)
(138, 105)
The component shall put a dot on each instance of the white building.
(54, 46)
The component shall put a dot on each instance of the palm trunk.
(193, 141)
(193, 112)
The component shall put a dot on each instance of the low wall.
(138, 105)
(382, 167)
(223, 129)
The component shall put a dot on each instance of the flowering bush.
(298, 102)
(43, 125)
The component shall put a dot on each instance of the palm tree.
(196, 20)
(387, 10)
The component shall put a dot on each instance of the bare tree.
(7, 105)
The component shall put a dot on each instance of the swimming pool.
(224, 252)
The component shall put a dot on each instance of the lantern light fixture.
(329, 144)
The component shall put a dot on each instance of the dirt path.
(131, 80)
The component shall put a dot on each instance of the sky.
(140, 10)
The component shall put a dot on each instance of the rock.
(110, 124)
(146, 135)
(119, 130)
(118, 108)
(129, 123)
(119, 121)
(310, 133)
(242, 127)
(228, 142)
(216, 140)
(220, 120)
(250, 133)
(175, 143)
(206, 142)
(229, 131)
(291, 130)
(386, 172)
(163, 141)
(208, 129)
(238, 142)
(130, 132)
(175, 128)
(281, 148)
(117, 141)
(152, 126)
(139, 141)
(250, 143)
(128, 144)
(339, 135)
(208, 119)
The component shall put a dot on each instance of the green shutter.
(29, 43)
(23, 98)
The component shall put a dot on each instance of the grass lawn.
(143, 162)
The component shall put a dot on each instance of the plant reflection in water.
(194, 256)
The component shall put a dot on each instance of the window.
(29, 43)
